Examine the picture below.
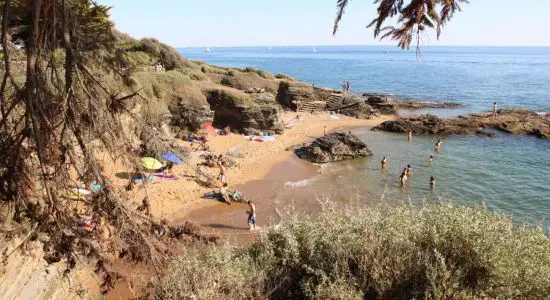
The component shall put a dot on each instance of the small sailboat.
(313, 49)
(207, 50)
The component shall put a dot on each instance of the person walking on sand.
(430, 160)
(403, 178)
(432, 182)
(410, 135)
(494, 109)
(437, 147)
(384, 163)
(222, 177)
(251, 215)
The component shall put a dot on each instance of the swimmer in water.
(384, 162)
(437, 147)
(430, 160)
(409, 170)
(410, 135)
(403, 177)
(432, 182)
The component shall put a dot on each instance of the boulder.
(383, 103)
(291, 93)
(190, 116)
(334, 147)
(419, 104)
(425, 124)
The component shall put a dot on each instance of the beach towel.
(335, 117)
(166, 177)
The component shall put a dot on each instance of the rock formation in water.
(514, 121)
(334, 147)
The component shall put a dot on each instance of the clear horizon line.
(368, 45)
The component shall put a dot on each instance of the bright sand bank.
(173, 200)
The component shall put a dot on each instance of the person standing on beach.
(344, 85)
(430, 160)
(432, 182)
(251, 215)
(410, 135)
(494, 109)
(403, 178)
(384, 163)
(325, 130)
(437, 147)
(222, 177)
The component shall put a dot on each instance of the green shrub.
(437, 252)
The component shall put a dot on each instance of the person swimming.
(437, 147)
(384, 162)
(409, 170)
(403, 177)
(410, 135)
(432, 182)
(431, 159)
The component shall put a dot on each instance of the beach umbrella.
(151, 163)
(169, 156)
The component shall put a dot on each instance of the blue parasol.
(169, 156)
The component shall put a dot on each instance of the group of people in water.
(407, 171)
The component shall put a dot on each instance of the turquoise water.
(509, 174)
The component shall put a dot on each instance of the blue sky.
(309, 22)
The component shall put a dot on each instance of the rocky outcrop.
(291, 94)
(383, 103)
(334, 147)
(355, 106)
(415, 104)
(244, 113)
(514, 121)
(190, 116)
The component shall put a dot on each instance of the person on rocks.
(251, 215)
(437, 147)
(409, 170)
(224, 193)
(348, 86)
(432, 182)
(430, 160)
(384, 163)
(344, 85)
(494, 109)
(403, 178)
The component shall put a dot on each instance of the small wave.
(300, 183)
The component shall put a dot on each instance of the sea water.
(509, 174)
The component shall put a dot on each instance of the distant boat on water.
(207, 50)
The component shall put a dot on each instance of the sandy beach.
(174, 200)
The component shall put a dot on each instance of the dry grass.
(436, 252)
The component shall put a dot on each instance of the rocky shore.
(513, 121)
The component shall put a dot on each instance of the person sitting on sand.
(437, 147)
(431, 159)
(225, 194)
(167, 169)
(432, 182)
(410, 135)
(403, 177)
(409, 170)
(384, 162)
(251, 215)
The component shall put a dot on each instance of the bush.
(437, 252)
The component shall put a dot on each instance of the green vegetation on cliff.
(436, 252)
